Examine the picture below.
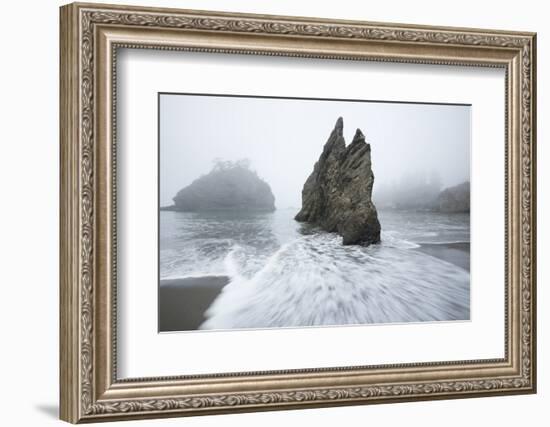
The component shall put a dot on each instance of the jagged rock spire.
(337, 196)
(339, 126)
(358, 136)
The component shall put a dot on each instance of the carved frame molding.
(90, 36)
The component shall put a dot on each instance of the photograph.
(272, 209)
(279, 212)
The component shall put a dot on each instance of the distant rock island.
(454, 199)
(419, 191)
(228, 186)
(337, 196)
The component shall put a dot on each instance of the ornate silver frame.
(90, 36)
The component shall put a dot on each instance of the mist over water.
(414, 146)
(285, 274)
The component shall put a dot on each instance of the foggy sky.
(283, 139)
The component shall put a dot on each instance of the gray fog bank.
(412, 144)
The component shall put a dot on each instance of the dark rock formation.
(229, 186)
(455, 199)
(337, 194)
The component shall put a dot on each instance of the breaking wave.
(314, 280)
(284, 275)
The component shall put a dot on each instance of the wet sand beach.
(182, 302)
(455, 253)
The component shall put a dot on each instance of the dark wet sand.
(455, 253)
(182, 302)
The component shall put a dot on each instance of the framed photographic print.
(266, 212)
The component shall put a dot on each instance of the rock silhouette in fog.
(229, 186)
(337, 196)
(455, 199)
(414, 190)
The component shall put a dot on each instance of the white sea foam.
(314, 280)
(285, 274)
(389, 239)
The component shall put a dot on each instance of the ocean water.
(287, 274)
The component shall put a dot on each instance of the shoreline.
(455, 253)
(182, 302)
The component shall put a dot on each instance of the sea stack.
(454, 199)
(229, 186)
(337, 196)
